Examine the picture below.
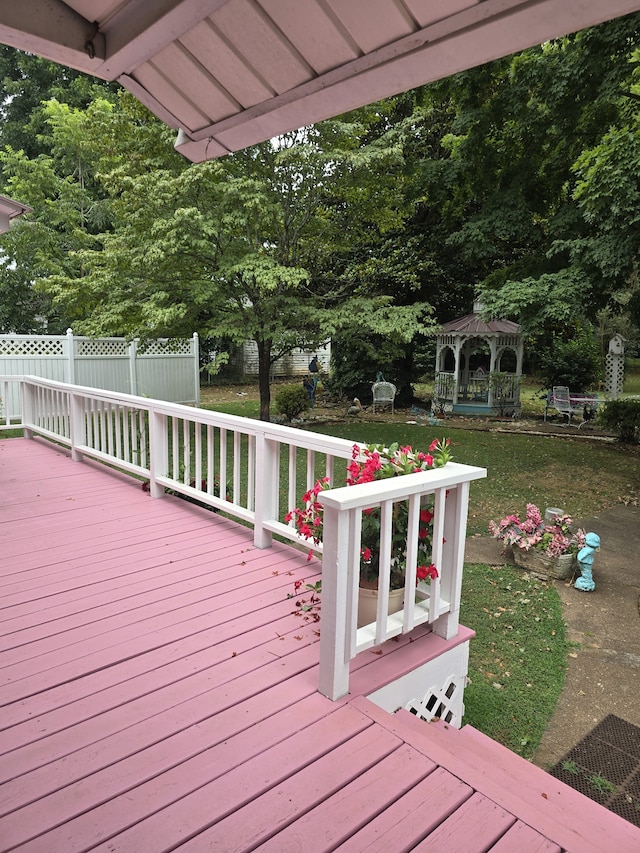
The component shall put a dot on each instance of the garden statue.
(585, 561)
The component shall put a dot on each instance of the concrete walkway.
(603, 675)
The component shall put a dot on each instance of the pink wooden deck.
(158, 693)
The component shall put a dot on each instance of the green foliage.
(601, 784)
(519, 178)
(622, 416)
(292, 401)
(357, 360)
(574, 363)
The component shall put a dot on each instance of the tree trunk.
(264, 367)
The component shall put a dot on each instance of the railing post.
(133, 366)
(71, 358)
(195, 352)
(455, 529)
(267, 482)
(336, 610)
(27, 405)
(78, 425)
(158, 452)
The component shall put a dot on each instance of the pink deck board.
(158, 690)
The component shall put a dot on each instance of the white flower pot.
(368, 604)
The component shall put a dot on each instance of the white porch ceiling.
(231, 73)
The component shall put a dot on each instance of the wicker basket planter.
(541, 566)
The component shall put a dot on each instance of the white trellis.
(614, 367)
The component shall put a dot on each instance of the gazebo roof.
(474, 324)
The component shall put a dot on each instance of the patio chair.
(384, 394)
(561, 401)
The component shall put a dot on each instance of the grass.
(518, 658)
(581, 477)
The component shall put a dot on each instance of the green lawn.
(579, 476)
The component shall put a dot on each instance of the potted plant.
(370, 463)
(546, 549)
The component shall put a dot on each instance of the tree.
(582, 186)
(231, 248)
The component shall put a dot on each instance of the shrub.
(622, 416)
(574, 363)
(356, 362)
(292, 401)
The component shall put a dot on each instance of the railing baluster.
(292, 477)
(413, 528)
(211, 463)
(237, 456)
(252, 461)
(175, 449)
(186, 452)
(223, 459)
(384, 573)
(198, 455)
(311, 468)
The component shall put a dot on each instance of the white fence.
(296, 363)
(163, 369)
(249, 469)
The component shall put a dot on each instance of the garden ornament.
(585, 561)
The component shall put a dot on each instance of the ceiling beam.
(51, 29)
(143, 29)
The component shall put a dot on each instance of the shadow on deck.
(158, 691)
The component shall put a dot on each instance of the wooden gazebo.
(478, 366)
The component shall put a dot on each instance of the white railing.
(242, 466)
(235, 464)
(436, 602)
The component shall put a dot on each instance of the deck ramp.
(158, 691)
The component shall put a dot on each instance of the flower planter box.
(541, 566)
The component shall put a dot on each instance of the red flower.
(424, 573)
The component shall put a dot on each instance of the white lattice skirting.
(434, 690)
(441, 703)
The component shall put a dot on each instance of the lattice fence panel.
(614, 374)
(31, 347)
(442, 702)
(173, 346)
(101, 347)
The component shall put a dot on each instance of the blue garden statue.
(585, 561)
